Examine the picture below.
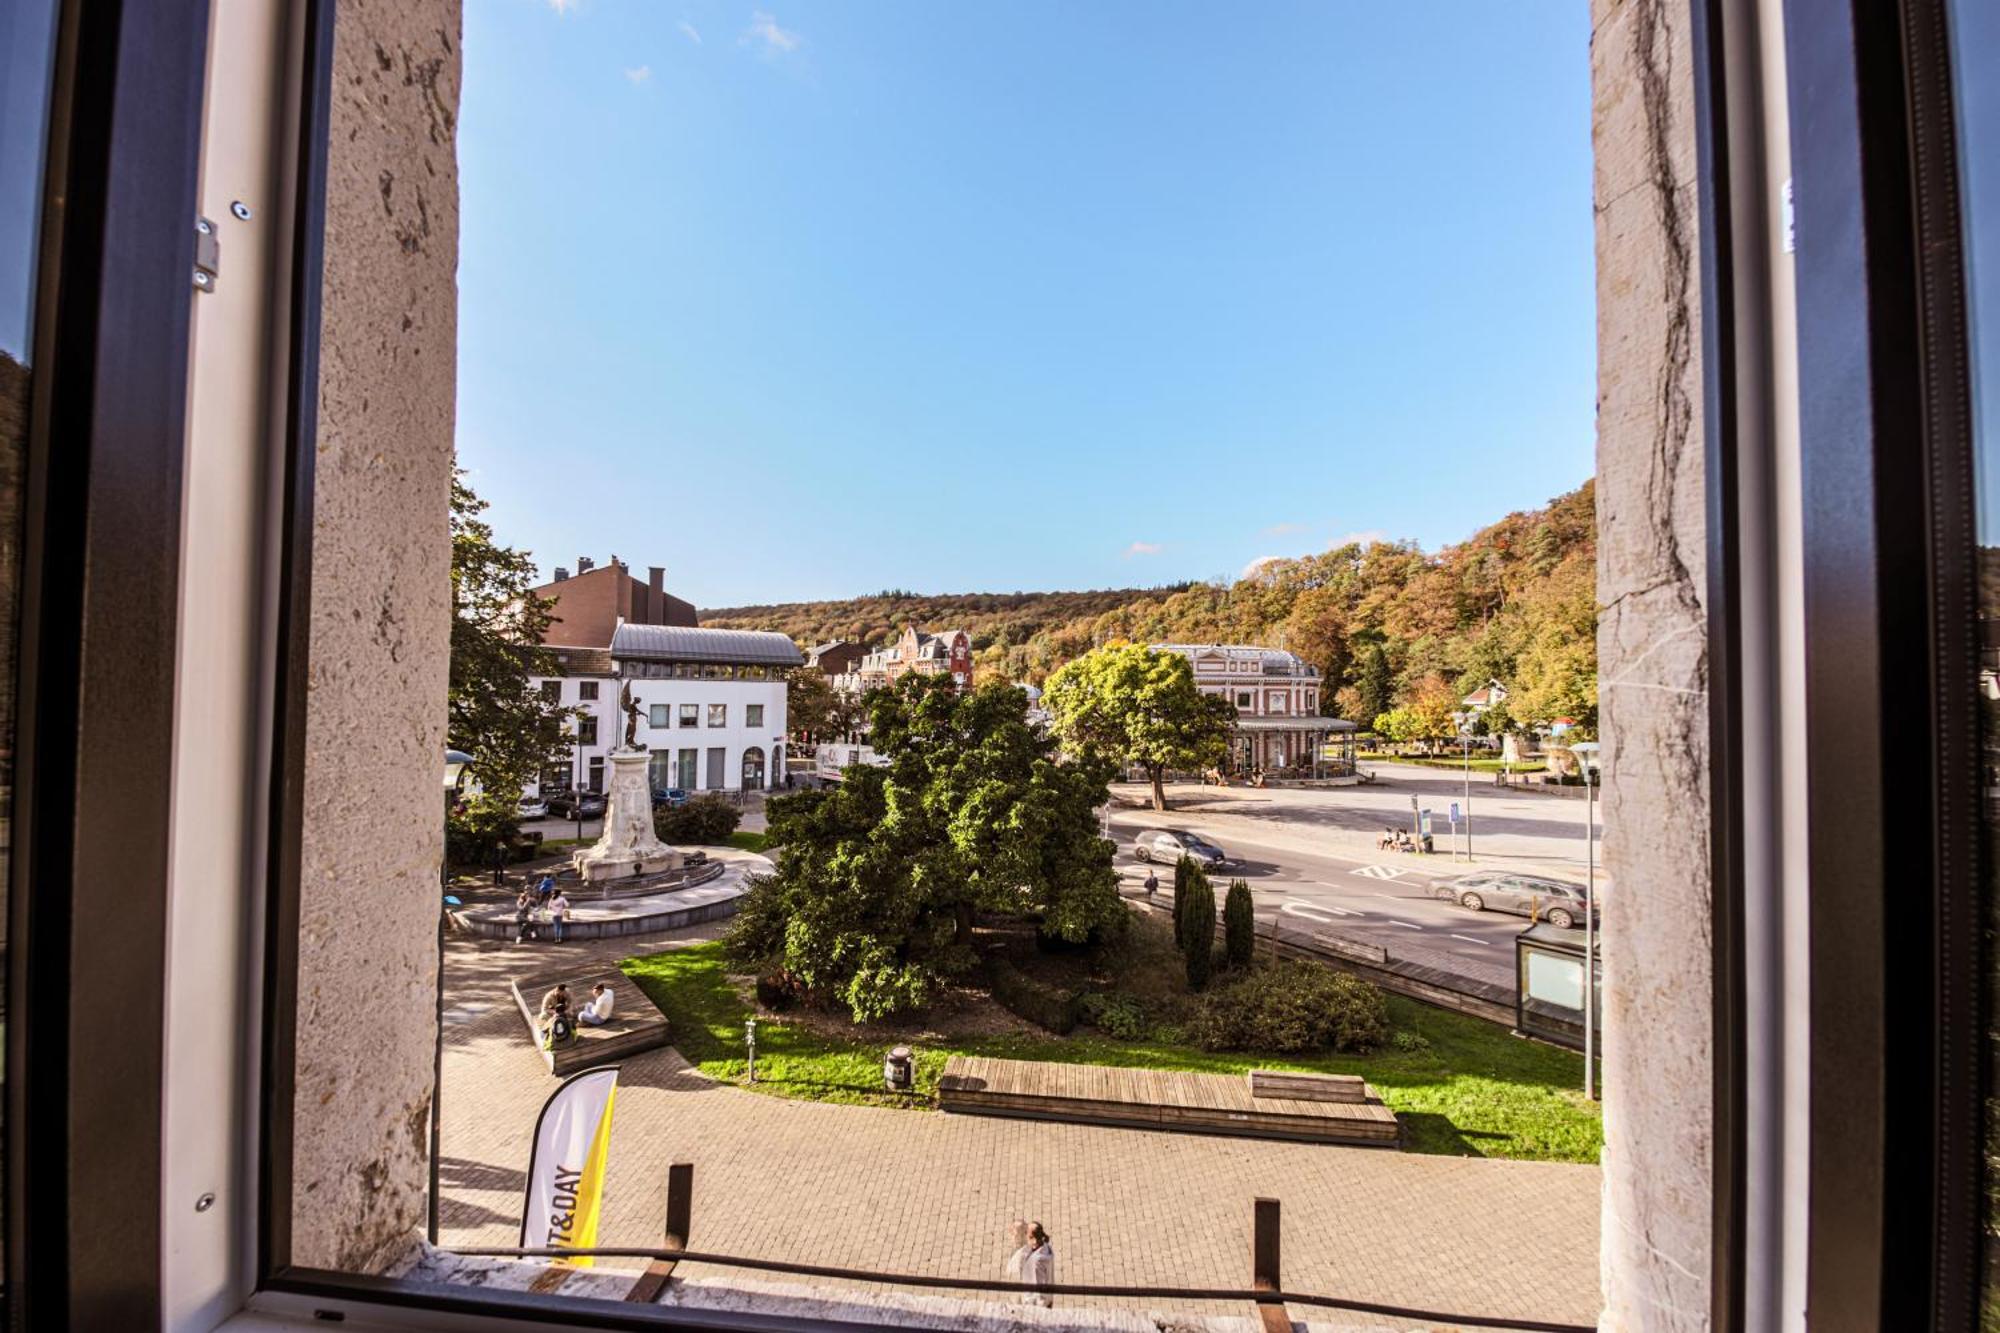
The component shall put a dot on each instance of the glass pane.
(27, 49)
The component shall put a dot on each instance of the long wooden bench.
(1157, 1099)
(636, 1024)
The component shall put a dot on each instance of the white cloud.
(1259, 565)
(1366, 538)
(776, 40)
(641, 74)
(1283, 529)
(689, 31)
(1143, 548)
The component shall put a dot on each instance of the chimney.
(656, 600)
(561, 574)
(584, 564)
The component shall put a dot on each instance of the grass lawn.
(1476, 1090)
(749, 842)
(1487, 765)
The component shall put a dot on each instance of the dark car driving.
(1172, 844)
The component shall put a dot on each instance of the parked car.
(669, 796)
(1172, 844)
(576, 805)
(1557, 902)
(531, 807)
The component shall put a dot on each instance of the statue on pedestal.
(629, 846)
(631, 711)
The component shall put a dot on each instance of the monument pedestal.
(628, 846)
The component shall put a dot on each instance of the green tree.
(1185, 870)
(879, 880)
(1197, 932)
(1139, 706)
(511, 729)
(1239, 925)
(1374, 685)
(814, 709)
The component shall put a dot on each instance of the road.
(1310, 859)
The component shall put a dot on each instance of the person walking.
(1017, 1258)
(1040, 1265)
(1152, 885)
(524, 918)
(558, 913)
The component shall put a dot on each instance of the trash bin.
(898, 1070)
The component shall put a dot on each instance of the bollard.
(1264, 1265)
(750, 1043)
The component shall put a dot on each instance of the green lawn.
(749, 842)
(1487, 765)
(1475, 1091)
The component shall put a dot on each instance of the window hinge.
(207, 255)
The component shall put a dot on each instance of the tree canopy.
(512, 731)
(1138, 705)
(879, 879)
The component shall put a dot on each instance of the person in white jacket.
(1017, 1258)
(1040, 1266)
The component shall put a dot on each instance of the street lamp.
(1586, 760)
(455, 764)
(1464, 723)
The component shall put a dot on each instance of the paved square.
(922, 1192)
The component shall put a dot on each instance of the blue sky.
(814, 299)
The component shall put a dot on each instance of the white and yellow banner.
(566, 1170)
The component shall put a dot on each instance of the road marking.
(1404, 924)
(1392, 897)
(1311, 912)
(1469, 939)
(1378, 872)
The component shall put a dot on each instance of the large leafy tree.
(816, 710)
(1138, 705)
(879, 880)
(511, 730)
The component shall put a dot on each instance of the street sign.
(1424, 823)
(1454, 812)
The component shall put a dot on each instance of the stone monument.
(628, 845)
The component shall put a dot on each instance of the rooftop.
(677, 643)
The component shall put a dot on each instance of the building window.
(684, 779)
(690, 715)
(657, 716)
(1274, 702)
(586, 730)
(597, 773)
(1245, 699)
(586, 690)
(718, 715)
(718, 759)
(552, 691)
(753, 715)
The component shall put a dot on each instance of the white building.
(711, 705)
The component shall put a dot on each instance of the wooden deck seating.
(1157, 1099)
(635, 1026)
(1308, 1087)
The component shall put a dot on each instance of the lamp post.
(455, 762)
(1464, 722)
(1586, 754)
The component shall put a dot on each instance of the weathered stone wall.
(1653, 670)
(380, 628)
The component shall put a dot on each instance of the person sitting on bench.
(597, 1012)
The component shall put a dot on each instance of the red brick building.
(591, 603)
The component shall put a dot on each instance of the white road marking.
(1378, 872)
(1469, 939)
(1392, 897)
(1404, 924)
(1311, 911)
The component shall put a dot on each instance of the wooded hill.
(1515, 602)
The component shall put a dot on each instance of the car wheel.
(1472, 901)
(1140, 851)
(1560, 918)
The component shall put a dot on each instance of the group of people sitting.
(1396, 840)
(556, 1023)
(545, 901)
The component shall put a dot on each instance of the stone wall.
(380, 628)
(1653, 670)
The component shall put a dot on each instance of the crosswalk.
(1378, 872)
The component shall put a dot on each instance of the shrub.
(703, 821)
(1197, 935)
(1409, 1042)
(756, 934)
(1116, 1015)
(779, 990)
(1170, 1034)
(1043, 1005)
(1184, 872)
(1239, 925)
(1292, 1006)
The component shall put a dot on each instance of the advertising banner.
(566, 1168)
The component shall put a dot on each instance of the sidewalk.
(929, 1193)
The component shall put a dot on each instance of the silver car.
(1172, 844)
(1554, 901)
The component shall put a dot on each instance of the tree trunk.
(1158, 772)
(961, 923)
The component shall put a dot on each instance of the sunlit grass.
(1470, 1089)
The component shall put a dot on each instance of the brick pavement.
(928, 1193)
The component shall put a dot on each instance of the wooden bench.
(635, 1026)
(1308, 1087)
(1158, 1099)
